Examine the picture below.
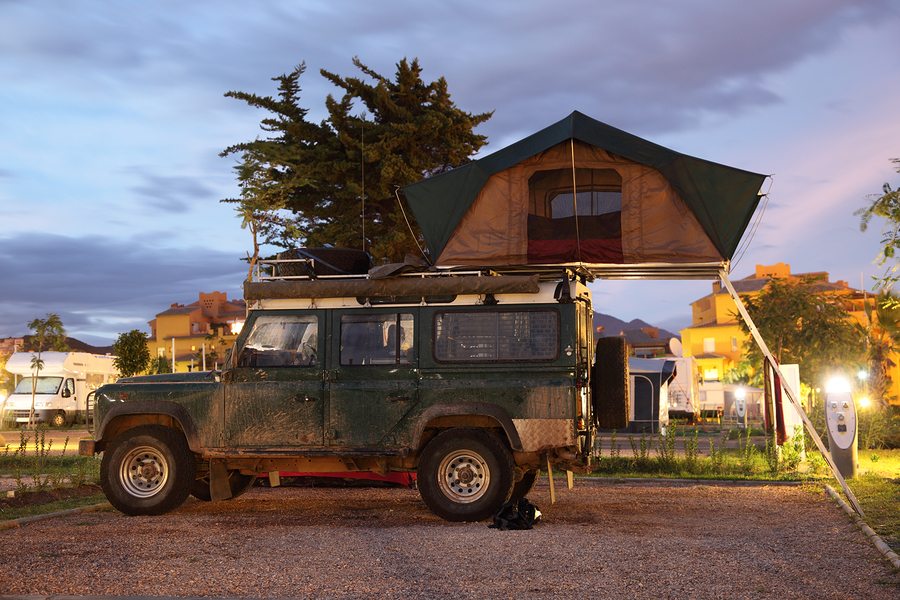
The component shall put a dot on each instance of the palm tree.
(51, 332)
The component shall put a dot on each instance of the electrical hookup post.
(790, 391)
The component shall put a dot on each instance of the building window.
(709, 344)
(469, 336)
(710, 374)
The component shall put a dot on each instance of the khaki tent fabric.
(656, 225)
(671, 210)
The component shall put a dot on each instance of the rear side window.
(493, 336)
(281, 341)
(385, 339)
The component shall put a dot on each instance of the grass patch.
(35, 467)
(879, 498)
(656, 456)
(884, 463)
(30, 510)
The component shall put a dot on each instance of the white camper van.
(62, 385)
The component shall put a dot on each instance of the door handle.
(305, 399)
(398, 398)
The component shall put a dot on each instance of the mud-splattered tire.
(465, 474)
(148, 470)
(523, 487)
(238, 482)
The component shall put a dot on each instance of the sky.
(113, 115)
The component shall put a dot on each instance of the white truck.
(61, 387)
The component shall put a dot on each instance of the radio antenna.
(362, 175)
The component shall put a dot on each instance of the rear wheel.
(238, 483)
(147, 470)
(465, 474)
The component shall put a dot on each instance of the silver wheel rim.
(144, 472)
(464, 476)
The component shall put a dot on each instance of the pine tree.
(339, 178)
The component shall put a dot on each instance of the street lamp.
(862, 375)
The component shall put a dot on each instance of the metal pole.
(173, 353)
(203, 353)
(791, 394)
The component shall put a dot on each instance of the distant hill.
(635, 331)
(79, 346)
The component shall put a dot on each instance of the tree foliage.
(887, 207)
(882, 340)
(132, 354)
(335, 182)
(804, 327)
(47, 334)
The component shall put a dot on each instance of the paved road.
(600, 540)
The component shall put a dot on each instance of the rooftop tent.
(583, 192)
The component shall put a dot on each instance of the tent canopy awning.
(631, 202)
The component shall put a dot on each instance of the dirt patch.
(599, 540)
(48, 496)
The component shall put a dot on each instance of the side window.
(481, 336)
(385, 339)
(281, 341)
(69, 388)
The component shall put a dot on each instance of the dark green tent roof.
(722, 198)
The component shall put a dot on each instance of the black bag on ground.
(516, 514)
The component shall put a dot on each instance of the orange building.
(199, 332)
(715, 339)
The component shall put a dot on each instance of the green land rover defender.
(474, 380)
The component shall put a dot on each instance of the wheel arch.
(474, 415)
(147, 412)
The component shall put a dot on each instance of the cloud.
(650, 67)
(171, 193)
(103, 286)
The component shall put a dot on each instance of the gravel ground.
(599, 540)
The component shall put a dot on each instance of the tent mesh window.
(470, 336)
(556, 234)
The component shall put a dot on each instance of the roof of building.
(710, 355)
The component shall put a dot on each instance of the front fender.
(147, 408)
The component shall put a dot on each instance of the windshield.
(45, 385)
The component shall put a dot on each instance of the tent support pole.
(791, 394)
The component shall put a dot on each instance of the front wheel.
(147, 470)
(58, 419)
(465, 474)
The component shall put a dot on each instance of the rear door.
(274, 395)
(372, 376)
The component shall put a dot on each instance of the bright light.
(740, 393)
(236, 327)
(864, 402)
(862, 375)
(837, 385)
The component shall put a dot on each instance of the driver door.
(274, 394)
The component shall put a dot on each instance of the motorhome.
(59, 388)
